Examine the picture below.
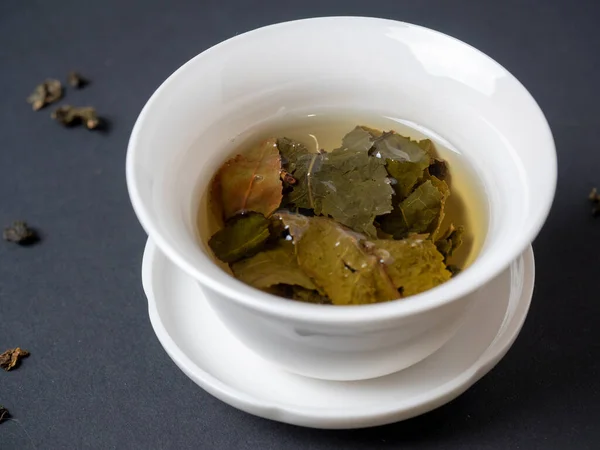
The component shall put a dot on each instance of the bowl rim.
(271, 305)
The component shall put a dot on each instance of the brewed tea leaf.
(291, 151)
(438, 168)
(450, 241)
(48, 92)
(413, 264)
(10, 359)
(406, 161)
(242, 236)
(421, 212)
(358, 139)
(309, 296)
(347, 185)
(272, 267)
(340, 264)
(250, 182)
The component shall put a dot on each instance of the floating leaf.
(359, 139)
(413, 264)
(347, 185)
(340, 264)
(450, 241)
(309, 296)
(438, 168)
(242, 236)
(10, 358)
(291, 151)
(273, 267)
(421, 212)
(406, 161)
(250, 182)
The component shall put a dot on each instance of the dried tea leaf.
(273, 267)
(341, 264)
(242, 236)
(4, 414)
(413, 264)
(421, 212)
(595, 199)
(450, 241)
(48, 92)
(20, 233)
(76, 80)
(250, 182)
(10, 359)
(406, 161)
(68, 116)
(347, 185)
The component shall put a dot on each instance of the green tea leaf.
(450, 241)
(340, 264)
(291, 151)
(273, 267)
(347, 185)
(242, 236)
(406, 161)
(413, 264)
(421, 212)
(250, 182)
(359, 139)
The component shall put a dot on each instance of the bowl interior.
(341, 64)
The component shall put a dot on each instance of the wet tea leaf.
(347, 185)
(340, 265)
(45, 93)
(406, 161)
(11, 358)
(421, 212)
(413, 264)
(242, 236)
(272, 267)
(450, 241)
(250, 182)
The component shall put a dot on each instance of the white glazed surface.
(203, 348)
(315, 65)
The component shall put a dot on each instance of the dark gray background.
(98, 378)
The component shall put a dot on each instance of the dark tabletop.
(98, 378)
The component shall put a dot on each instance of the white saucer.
(207, 353)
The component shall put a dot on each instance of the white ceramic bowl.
(341, 63)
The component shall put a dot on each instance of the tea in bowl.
(329, 164)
